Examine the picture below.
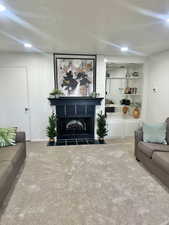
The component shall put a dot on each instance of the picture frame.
(75, 74)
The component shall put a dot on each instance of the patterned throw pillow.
(7, 136)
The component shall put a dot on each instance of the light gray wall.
(158, 77)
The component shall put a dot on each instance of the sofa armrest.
(138, 138)
(139, 135)
(20, 137)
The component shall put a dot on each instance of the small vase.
(125, 109)
(136, 113)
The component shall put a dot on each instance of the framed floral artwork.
(75, 75)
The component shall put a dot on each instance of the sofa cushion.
(155, 133)
(161, 159)
(5, 170)
(11, 153)
(149, 148)
(6, 178)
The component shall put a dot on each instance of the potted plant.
(101, 127)
(56, 93)
(94, 94)
(51, 129)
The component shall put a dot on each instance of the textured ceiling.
(79, 26)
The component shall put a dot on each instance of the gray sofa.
(11, 160)
(155, 157)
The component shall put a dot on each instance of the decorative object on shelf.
(51, 129)
(109, 109)
(130, 90)
(108, 102)
(136, 113)
(101, 127)
(125, 109)
(75, 75)
(128, 75)
(127, 90)
(56, 93)
(125, 102)
(135, 74)
(94, 94)
(136, 110)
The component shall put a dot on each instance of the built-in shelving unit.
(123, 81)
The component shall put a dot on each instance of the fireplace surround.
(75, 119)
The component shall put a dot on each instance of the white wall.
(100, 80)
(100, 85)
(158, 77)
(40, 82)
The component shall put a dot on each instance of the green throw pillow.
(7, 136)
(154, 133)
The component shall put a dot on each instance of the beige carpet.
(86, 185)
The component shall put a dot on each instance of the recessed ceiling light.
(167, 20)
(124, 49)
(2, 8)
(27, 45)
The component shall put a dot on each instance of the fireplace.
(75, 118)
(75, 128)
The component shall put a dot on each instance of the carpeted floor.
(86, 185)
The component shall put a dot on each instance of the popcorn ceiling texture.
(86, 185)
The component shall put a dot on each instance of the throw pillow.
(155, 133)
(7, 136)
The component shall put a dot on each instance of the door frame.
(27, 94)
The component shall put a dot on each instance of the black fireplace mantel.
(75, 100)
(75, 106)
(77, 111)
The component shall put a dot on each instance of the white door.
(14, 99)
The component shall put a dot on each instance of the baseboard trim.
(38, 140)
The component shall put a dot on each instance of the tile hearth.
(81, 141)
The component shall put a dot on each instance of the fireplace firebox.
(75, 117)
(75, 128)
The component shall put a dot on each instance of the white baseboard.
(38, 140)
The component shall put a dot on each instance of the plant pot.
(55, 96)
(51, 96)
(51, 141)
(101, 141)
(136, 113)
